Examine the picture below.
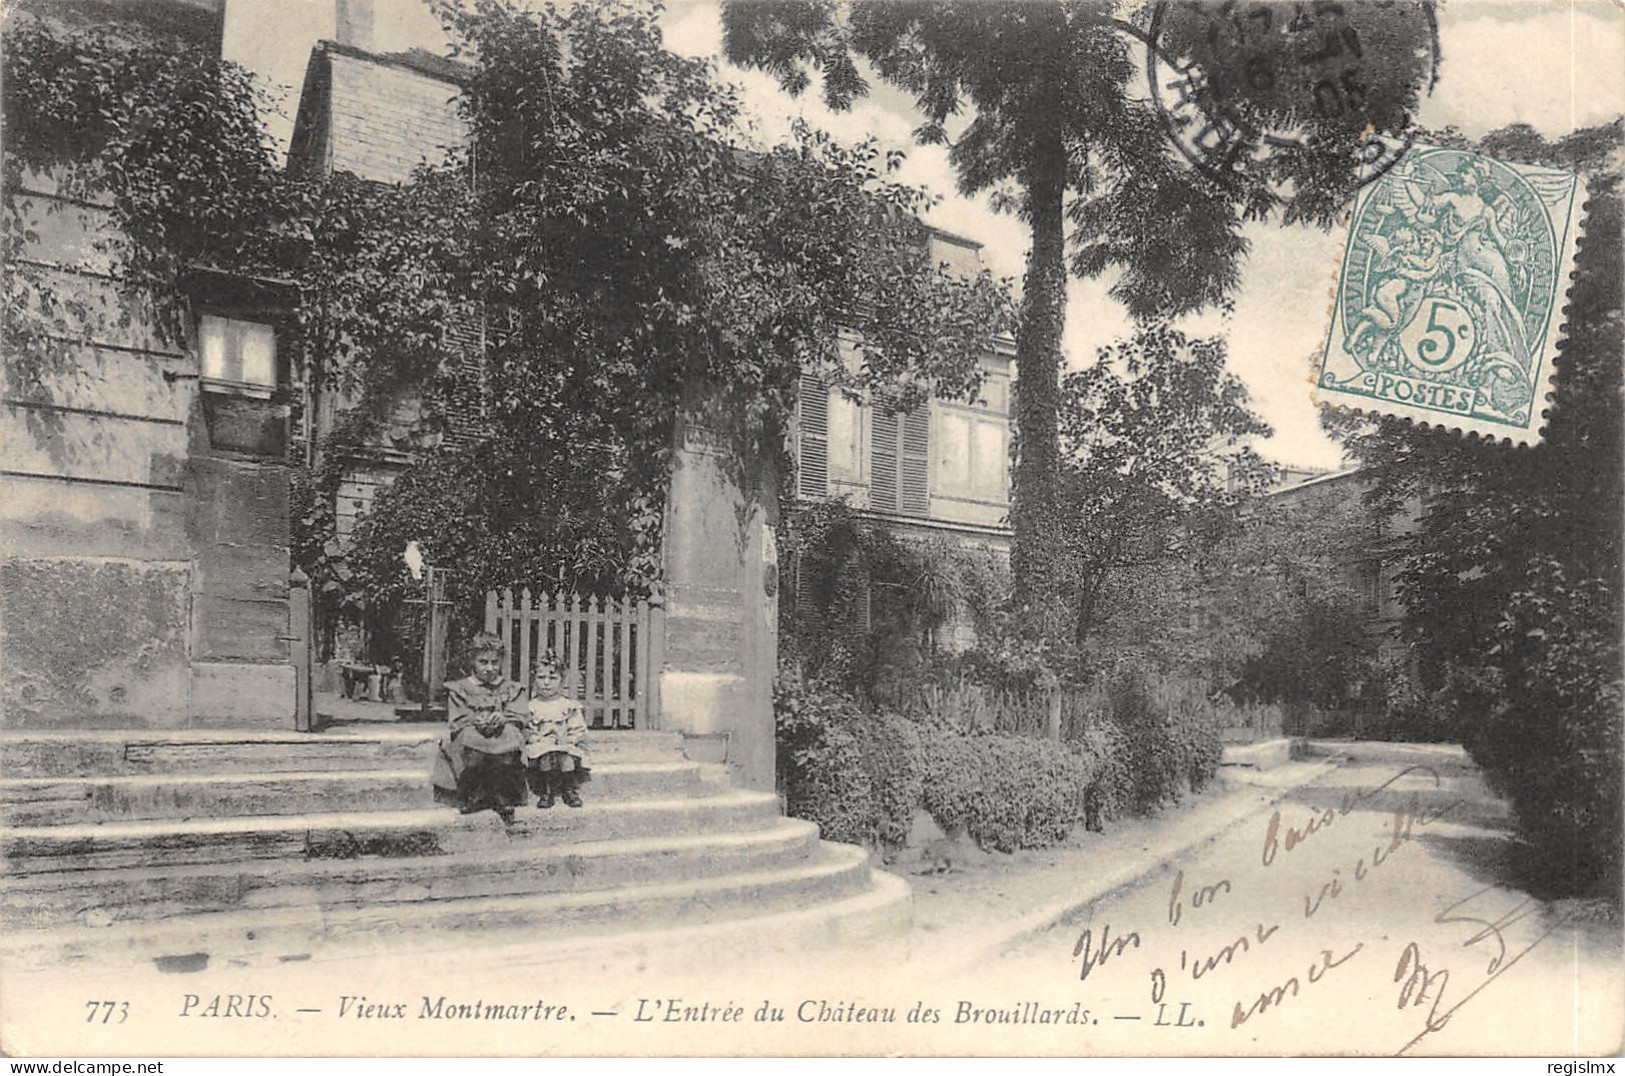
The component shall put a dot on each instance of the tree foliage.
(1155, 455)
(1512, 587)
(1258, 601)
(639, 257)
(861, 606)
(1039, 102)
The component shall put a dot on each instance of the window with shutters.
(845, 439)
(914, 471)
(812, 439)
(843, 447)
(1369, 581)
(899, 461)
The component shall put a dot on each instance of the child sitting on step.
(480, 764)
(555, 737)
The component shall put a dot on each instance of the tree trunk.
(1086, 613)
(1093, 581)
(1038, 364)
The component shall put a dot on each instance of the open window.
(972, 458)
(242, 335)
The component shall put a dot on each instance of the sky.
(1555, 65)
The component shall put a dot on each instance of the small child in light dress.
(555, 737)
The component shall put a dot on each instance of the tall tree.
(1042, 102)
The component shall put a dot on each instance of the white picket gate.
(611, 649)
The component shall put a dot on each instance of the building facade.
(1369, 562)
(144, 494)
(939, 473)
(1374, 558)
(145, 569)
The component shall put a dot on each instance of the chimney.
(354, 24)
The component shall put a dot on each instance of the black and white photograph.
(811, 528)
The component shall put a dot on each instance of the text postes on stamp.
(1449, 303)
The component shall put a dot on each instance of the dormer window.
(238, 351)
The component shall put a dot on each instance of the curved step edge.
(98, 898)
(278, 935)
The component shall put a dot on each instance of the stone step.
(198, 752)
(45, 801)
(98, 897)
(875, 921)
(838, 872)
(348, 835)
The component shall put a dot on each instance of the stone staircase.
(197, 849)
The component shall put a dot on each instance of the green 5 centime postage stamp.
(1449, 304)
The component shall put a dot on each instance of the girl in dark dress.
(480, 764)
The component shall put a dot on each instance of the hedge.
(861, 775)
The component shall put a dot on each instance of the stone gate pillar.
(721, 571)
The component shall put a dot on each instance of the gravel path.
(969, 904)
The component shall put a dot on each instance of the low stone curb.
(1258, 756)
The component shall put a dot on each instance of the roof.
(424, 62)
(1318, 480)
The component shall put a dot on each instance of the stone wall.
(721, 567)
(237, 516)
(96, 575)
(142, 582)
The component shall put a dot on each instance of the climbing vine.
(168, 141)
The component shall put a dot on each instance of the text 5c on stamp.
(1449, 304)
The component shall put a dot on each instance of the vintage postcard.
(749, 528)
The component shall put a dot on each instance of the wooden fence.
(611, 650)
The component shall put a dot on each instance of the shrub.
(1005, 669)
(1006, 792)
(1547, 736)
(860, 605)
(857, 775)
(1193, 727)
(1130, 745)
(1111, 792)
(1147, 743)
(1038, 795)
(954, 776)
(892, 755)
(963, 704)
(1167, 736)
